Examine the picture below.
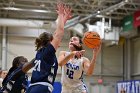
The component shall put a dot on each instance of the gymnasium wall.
(19, 46)
(135, 63)
(0, 49)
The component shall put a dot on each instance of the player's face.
(75, 41)
(3, 74)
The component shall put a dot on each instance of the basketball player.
(16, 85)
(45, 68)
(45, 63)
(73, 65)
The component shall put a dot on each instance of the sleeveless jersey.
(45, 65)
(72, 72)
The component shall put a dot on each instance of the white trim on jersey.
(50, 87)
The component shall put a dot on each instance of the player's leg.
(80, 89)
(66, 89)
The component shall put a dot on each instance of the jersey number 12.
(70, 73)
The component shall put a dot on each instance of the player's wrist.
(93, 61)
(72, 52)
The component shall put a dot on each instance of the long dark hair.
(43, 40)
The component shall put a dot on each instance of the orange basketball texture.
(91, 39)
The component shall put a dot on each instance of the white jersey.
(72, 72)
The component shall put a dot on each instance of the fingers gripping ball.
(91, 39)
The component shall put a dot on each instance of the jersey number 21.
(37, 65)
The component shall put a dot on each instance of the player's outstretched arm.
(26, 67)
(64, 13)
(63, 58)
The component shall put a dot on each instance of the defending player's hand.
(67, 12)
(64, 12)
(60, 9)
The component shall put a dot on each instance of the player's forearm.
(58, 34)
(26, 67)
(60, 23)
(91, 67)
(66, 59)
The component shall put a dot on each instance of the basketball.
(91, 39)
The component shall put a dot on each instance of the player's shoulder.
(62, 52)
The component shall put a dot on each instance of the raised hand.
(60, 9)
(64, 12)
(67, 12)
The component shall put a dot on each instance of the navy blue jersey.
(16, 82)
(45, 65)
